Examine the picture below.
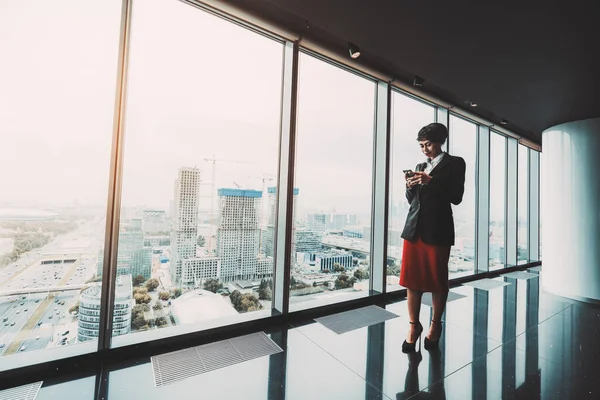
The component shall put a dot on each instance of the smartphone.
(409, 172)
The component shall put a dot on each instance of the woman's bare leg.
(414, 309)
(439, 305)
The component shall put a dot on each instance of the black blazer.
(430, 214)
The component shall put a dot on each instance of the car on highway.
(37, 338)
(12, 324)
(23, 348)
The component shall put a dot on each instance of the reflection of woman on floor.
(435, 386)
(429, 231)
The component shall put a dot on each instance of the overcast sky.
(199, 87)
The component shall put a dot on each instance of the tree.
(296, 284)
(344, 281)
(265, 294)
(157, 307)
(361, 274)
(160, 321)
(265, 291)
(140, 290)
(152, 284)
(74, 307)
(176, 293)
(138, 280)
(337, 267)
(138, 322)
(201, 241)
(164, 296)
(142, 298)
(393, 270)
(212, 285)
(244, 302)
(139, 309)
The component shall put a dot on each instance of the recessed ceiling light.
(418, 81)
(353, 50)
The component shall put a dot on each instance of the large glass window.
(497, 255)
(334, 175)
(541, 208)
(463, 143)
(200, 160)
(407, 118)
(58, 78)
(522, 204)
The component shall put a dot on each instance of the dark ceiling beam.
(279, 22)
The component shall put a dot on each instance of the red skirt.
(424, 266)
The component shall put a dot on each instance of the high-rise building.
(268, 238)
(318, 222)
(88, 325)
(328, 260)
(132, 257)
(195, 270)
(184, 230)
(155, 222)
(338, 221)
(352, 219)
(238, 233)
(308, 241)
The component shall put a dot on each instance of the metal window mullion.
(113, 207)
(534, 205)
(284, 231)
(482, 238)
(511, 201)
(442, 116)
(380, 194)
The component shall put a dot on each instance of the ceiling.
(531, 65)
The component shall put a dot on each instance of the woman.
(429, 231)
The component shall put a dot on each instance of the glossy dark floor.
(512, 342)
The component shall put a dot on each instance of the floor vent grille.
(428, 301)
(520, 275)
(25, 392)
(354, 319)
(486, 284)
(178, 365)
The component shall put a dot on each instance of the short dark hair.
(434, 132)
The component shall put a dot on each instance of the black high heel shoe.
(433, 344)
(410, 347)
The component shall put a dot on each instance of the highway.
(33, 321)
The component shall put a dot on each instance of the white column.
(571, 210)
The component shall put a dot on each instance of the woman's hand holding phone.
(416, 178)
(409, 177)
